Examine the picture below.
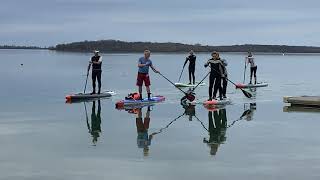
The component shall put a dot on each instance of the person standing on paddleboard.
(143, 73)
(253, 67)
(96, 62)
(192, 66)
(216, 74)
(224, 79)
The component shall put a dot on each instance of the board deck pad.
(129, 103)
(189, 85)
(217, 102)
(88, 96)
(241, 85)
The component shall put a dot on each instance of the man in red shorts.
(143, 73)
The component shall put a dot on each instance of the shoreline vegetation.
(20, 47)
(117, 46)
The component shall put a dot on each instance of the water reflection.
(248, 113)
(94, 127)
(249, 110)
(189, 110)
(217, 127)
(142, 124)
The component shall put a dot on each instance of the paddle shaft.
(85, 86)
(181, 73)
(201, 81)
(172, 83)
(88, 125)
(244, 72)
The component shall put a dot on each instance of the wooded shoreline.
(116, 46)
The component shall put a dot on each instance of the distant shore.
(116, 46)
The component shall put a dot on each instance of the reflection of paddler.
(143, 139)
(95, 128)
(189, 110)
(217, 130)
(250, 111)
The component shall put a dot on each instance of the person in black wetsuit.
(224, 79)
(192, 66)
(96, 62)
(216, 74)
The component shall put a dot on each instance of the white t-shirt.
(251, 61)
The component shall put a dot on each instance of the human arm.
(221, 67)
(224, 62)
(94, 62)
(185, 62)
(98, 62)
(206, 64)
(140, 63)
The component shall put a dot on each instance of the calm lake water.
(42, 137)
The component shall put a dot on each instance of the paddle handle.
(245, 69)
(85, 85)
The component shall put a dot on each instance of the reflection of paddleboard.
(132, 103)
(216, 104)
(240, 85)
(88, 96)
(189, 85)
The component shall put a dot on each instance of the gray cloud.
(48, 22)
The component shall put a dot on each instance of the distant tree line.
(116, 46)
(19, 47)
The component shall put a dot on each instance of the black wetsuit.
(192, 67)
(224, 79)
(95, 121)
(215, 77)
(96, 73)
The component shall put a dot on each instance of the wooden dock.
(303, 100)
(302, 109)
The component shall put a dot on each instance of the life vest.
(133, 96)
(96, 67)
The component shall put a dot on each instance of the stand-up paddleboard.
(246, 86)
(214, 104)
(132, 103)
(88, 96)
(189, 85)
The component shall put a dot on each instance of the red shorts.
(143, 78)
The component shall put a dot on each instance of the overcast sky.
(213, 22)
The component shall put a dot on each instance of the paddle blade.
(247, 94)
(248, 111)
(190, 97)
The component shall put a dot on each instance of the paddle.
(247, 94)
(201, 81)
(189, 96)
(181, 73)
(167, 126)
(244, 73)
(85, 86)
(85, 108)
